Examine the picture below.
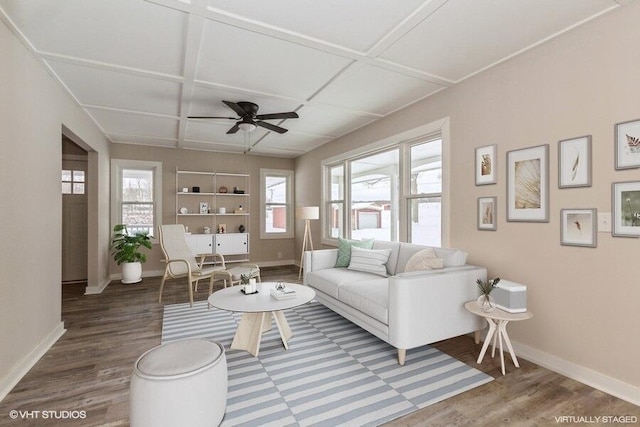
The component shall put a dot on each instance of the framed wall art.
(574, 162)
(626, 208)
(627, 144)
(578, 227)
(487, 213)
(486, 172)
(204, 207)
(528, 184)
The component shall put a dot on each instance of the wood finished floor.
(89, 369)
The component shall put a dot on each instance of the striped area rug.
(334, 373)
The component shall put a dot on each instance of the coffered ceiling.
(139, 68)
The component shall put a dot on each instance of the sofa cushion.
(452, 257)
(344, 249)
(369, 260)
(425, 259)
(370, 297)
(328, 280)
(394, 247)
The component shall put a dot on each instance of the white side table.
(497, 320)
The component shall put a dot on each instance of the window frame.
(117, 168)
(438, 129)
(289, 204)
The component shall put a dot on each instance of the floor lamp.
(307, 213)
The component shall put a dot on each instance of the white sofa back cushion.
(451, 257)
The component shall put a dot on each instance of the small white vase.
(486, 303)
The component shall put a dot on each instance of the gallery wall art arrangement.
(527, 174)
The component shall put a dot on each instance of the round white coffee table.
(258, 310)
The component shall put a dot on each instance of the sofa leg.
(476, 337)
(402, 353)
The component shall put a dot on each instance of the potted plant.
(485, 300)
(125, 249)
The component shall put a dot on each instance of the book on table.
(283, 294)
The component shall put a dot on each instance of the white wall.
(33, 110)
(585, 301)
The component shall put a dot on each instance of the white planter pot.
(131, 272)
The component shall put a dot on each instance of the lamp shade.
(308, 212)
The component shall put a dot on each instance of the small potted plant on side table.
(125, 249)
(485, 300)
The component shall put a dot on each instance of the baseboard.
(24, 366)
(275, 263)
(91, 290)
(579, 373)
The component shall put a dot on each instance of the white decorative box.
(510, 296)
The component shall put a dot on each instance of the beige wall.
(263, 252)
(585, 301)
(33, 111)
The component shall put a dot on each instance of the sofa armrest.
(429, 307)
(318, 260)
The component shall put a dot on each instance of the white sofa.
(405, 309)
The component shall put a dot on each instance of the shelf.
(191, 193)
(213, 214)
(181, 172)
(210, 183)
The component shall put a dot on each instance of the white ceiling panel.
(135, 124)
(466, 36)
(213, 146)
(376, 90)
(292, 141)
(327, 121)
(354, 24)
(240, 58)
(142, 140)
(119, 90)
(139, 68)
(124, 32)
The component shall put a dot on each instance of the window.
(374, 196)
(276, 201)
(389, 190)
(425, 194)
(73, 181)
(136, 195)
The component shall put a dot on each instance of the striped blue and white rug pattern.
(334, 372)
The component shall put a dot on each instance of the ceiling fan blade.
(211, 117)
(234, 129)
(272, 127)
(289, 115)
(235, 107)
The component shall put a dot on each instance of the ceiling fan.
(249, 118)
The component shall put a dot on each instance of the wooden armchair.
(182, 263)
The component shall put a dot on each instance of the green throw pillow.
(344, 249)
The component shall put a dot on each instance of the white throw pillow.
(425, 259)
(369, 260)
(456, 258)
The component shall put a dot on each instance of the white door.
(234, 243)
(74, 221)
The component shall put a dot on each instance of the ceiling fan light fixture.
(246, 127)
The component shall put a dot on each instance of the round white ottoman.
(183, 383)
